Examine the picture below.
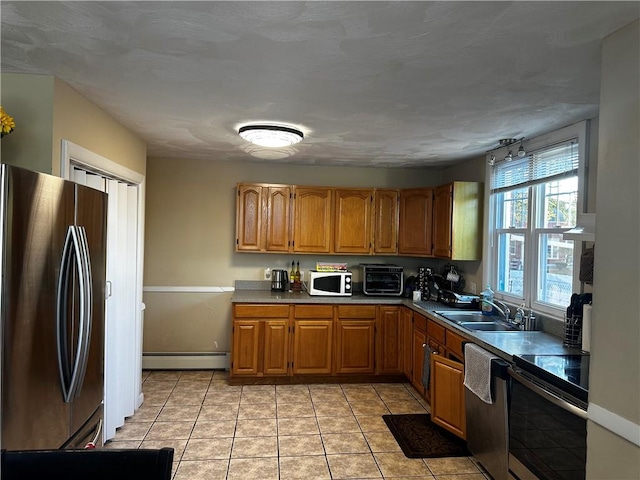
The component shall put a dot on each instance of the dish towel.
(426, 366)
(477, 371)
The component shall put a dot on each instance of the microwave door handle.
(546, 394)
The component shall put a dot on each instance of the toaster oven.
(381, 279)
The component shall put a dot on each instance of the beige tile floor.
(321, 431)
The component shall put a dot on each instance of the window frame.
(578, 131)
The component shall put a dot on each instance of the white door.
(123, 329)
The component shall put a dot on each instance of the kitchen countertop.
(502, 344)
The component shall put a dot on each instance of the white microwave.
(330, 283)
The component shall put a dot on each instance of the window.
(533, 200)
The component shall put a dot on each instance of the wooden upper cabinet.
(278, 219)
(263, 218)
(312, 220)
(352, 220)
(457, 221)
(416, 221)
(442, 207)
(249, 215)
(385, 221)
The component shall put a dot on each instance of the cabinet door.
(389, 340)
(407, 342)
(416, 221)
(312, 341)
(312, 220)
(246, 346)
(278, 220)
(249, 215)
(352, 221)
(355, 346)
(276, 347)
(419, 344)
(442, 208)
(447, 395)
(385, 224)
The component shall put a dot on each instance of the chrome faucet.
(503, 309)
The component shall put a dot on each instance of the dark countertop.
(502, 344)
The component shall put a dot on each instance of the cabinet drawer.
(313, 311)
(454, 344)
(420, 322)
(436, 332)
(356, 311)
(260, 311)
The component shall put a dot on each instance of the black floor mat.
(420, 438)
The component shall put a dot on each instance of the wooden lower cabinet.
(276, 347)
(312, 344)
(355, 346)
(407, 342)
(355, 339)
(312, 340)
(246, 347)
(389, 338)
(418, 343)
(260, 344)
(447, 395)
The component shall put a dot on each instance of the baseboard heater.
(185, 361)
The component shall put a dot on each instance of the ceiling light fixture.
(503, 143)
(271, 135)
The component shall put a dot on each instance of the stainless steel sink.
(467, 316)
(497, 326)
(474, 320)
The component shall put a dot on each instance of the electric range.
(569, 373)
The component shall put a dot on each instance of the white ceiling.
(391, 84)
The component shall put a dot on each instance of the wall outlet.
(302, 275)
(266, 274)
(472, 287)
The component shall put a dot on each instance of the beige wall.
(78, 120)
(29, 100)
(190, 235)
(47, 110)
(615, 346)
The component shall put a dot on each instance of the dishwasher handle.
(499, 369)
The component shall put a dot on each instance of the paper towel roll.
(586, 328)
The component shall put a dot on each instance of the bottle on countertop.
(292, 275)
(520, 316)
(530, 324)
(297, 271)
(487, 294)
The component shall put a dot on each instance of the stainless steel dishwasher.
(487, 423)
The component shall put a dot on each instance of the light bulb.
(521, 152)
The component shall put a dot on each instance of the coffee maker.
(279, 280)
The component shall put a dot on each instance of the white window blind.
(550, 163)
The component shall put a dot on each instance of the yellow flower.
(7, 124)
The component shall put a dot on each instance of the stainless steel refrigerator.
(53, 235)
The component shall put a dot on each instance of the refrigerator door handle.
(86, 307)
(72, 254)
(62, 298)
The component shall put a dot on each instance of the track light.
(506, 142)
